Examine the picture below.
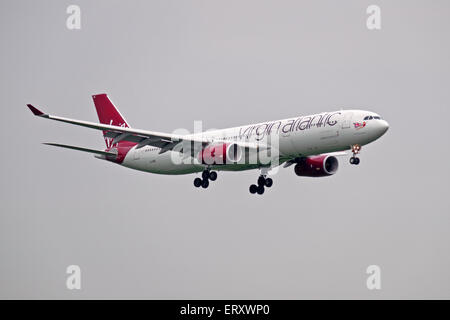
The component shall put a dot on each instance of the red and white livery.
(311, 143)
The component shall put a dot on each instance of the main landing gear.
(262, 182)
(206, 176)
(356, 148)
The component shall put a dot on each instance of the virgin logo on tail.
(109, 141)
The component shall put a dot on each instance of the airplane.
(311, 143)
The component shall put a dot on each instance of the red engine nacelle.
(218, 154)
(317, 166)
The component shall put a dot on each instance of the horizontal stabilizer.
(99, 152)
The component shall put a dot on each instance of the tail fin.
(108, 114)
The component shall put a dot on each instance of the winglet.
(35, 111)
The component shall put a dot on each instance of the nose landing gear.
(356, 148)
(262, 182)
(206, 176)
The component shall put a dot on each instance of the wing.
(143, 138)
(189, 145)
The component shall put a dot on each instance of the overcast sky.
(166, 64)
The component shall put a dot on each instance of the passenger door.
(347, 120)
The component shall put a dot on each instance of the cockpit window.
(372, 117)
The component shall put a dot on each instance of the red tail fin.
(108, 114)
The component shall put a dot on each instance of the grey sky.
(166, 64)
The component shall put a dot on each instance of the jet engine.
(217, 154)
(316, 166)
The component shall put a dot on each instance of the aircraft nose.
(384, 126)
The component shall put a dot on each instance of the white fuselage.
(295, 137)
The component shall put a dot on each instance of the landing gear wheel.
(260, 189)
(205, 184)
(253, 188)
(269, 182)
(205, 175)
(356, 149)
(213, 176)
(354, 160)
(261, 181)
(197, 182)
